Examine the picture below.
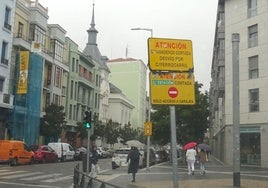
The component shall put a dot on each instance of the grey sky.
(176, 19)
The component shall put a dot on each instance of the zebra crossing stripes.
(41, 177)
(33, 176)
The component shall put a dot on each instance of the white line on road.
(27, 185)
(40, 177)
(58, 179)
(8, 173)
(21, 175)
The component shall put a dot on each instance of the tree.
(128, 133)
(52, 122)
(191, 120)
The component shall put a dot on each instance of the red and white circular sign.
(173, 92)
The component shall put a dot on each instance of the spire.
(92, 32)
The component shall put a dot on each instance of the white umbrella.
(134, 143)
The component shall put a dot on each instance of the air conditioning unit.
(36, 47)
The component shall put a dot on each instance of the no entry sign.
(173, 92)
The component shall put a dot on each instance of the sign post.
(172, 81)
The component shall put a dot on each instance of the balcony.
(4, 61)
(7, 26)
(21, 41)
(6, 100)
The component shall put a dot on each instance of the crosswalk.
(6, 174)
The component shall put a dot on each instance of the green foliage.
(52, 123)
(128, 133)
(191, 120)
(81, 130)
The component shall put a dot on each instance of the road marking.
(21, 175)
(8, 173)
(40, 177)
(58, 179)
(28, 185)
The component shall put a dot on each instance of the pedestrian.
(190, 158)
(202, 159)
(134, 157)
(94, 162)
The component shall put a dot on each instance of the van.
(15, 152)
(64, 151)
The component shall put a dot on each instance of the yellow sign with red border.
(170, 54)
(172, 88)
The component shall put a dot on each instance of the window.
(4, 60)
(253, 100)
(252, 8)
(20, 30)
(73, 64)
(56, 99)
(37, 34)
(72, 89)
(70, 111)
(2, 80)
(253, 36)
(58, 77)
(253, 67)
(7, 19)
(56, 50)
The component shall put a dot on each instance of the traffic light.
(87, 119)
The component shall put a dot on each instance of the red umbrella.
(189, 145)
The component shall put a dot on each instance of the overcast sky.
(176, 19)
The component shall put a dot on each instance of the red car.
(44, 154)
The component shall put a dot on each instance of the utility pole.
(236, 111)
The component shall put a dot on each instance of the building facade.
(249, 20)
(130, 76)
(7, 9)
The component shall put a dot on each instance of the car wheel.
(14, 162)
(31, 161)
(114, 165)
(44, 160)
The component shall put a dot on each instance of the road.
(60, 175)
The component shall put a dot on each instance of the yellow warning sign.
(170, 54)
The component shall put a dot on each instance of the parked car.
(120, 158)
(79, 152)
(15, 152)
(64, 151)
(161, 156)
(101, 152)
(152, 157)
(44, 153)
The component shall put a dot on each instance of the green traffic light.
(87, 125)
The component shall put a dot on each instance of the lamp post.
(149, 113)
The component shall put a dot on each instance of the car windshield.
(122, 151)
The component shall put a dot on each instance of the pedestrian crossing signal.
(87, 120)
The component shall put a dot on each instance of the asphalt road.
(60, 175)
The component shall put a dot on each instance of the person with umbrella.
(190, 158)
(134, 157)
(202, 155)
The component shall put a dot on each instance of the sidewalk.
(218, 176)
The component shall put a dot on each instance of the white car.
(120, 158)
(64, 150)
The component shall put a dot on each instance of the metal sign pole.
(88, 148)
(174, 145)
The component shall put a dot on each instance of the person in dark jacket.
(134, 157)
(94, 162)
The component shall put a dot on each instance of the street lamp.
(144, 29)
(149, 113)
